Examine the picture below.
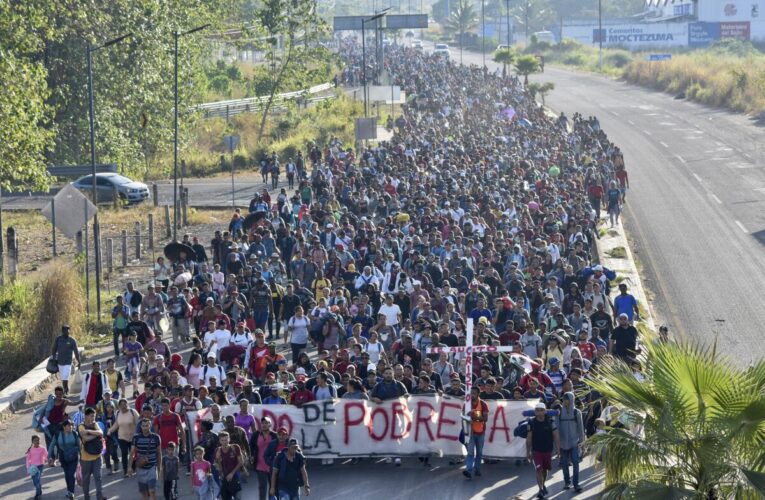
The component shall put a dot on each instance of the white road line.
(697, 177)
(646, 132)
(760, 190)
(741, 226)
(664, 144)
(682, 160)
(714, 197)
(630, 122)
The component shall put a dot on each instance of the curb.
(626, 267)
(13, 396)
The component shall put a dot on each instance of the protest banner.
(413, 426)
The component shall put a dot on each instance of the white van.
(545, 36)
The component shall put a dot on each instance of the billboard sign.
(702, 34)
(408, 21)
(735, 31)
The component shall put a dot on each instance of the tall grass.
(286, 133)
(729, 75)
(31, 315)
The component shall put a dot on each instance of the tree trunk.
(275, 88)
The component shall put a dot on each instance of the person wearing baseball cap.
(300, 395)
(541, 442)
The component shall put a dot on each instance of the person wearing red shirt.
(536, 373)
(301, 395)
(169, 427)
(595, 193)
(586, 347)
(509, 336)
(257, 351)
(623, 180)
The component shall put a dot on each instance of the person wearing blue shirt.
(624, 303)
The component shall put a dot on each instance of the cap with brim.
(283, 430)
(540, 406)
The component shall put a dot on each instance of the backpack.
(42, 412)
(220, 373)
(94, 446)
(73, 452)
(522, 429)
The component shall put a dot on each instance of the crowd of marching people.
(338, 288)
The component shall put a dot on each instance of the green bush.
(618, 59)
(574, 59)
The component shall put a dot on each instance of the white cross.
(469, 349)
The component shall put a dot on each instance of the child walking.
(201, 476)
(170, 472)
(37, 456)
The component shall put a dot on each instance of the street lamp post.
(92, 119)
(364, 55)
(176, 36)
(508, 22)
(600, 34)
(483, 34)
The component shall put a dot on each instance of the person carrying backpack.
(66, 447)
(288, 474)
(92, 438)
(542, 439)
(571, 430)
(64, 349)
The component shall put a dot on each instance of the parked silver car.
(127, 189)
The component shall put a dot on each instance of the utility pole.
(92, 120)
(600, 35)
(483, 34)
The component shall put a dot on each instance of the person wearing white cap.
(212, 369)
(541, 442)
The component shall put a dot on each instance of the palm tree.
(525, 65)
(698, 424)
(505, 57)
(461, 20)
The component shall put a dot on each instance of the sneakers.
(398, 462)
(567, 486)
(578, 489)
(477, 473)
(388, 460)
(467, 474)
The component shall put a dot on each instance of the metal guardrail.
(75, 171)
(225, 109)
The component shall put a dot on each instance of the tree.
(545, 89)
(300, 27)
(461, 20)
(24, 114)
(526, 65)
(694, 426)
(505, 57)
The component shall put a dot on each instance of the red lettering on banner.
(443, 420)
(350, 422)
(403, 411)
(495, 427)
(372, 416)
(280, 421)
(425, 420)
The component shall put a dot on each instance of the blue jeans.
(474, 453)
(286, 495)
(572, 456)
(69, 471)
(36, 480)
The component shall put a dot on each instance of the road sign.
(366, 128)
(407, 21)
(231, 142)
(353, 23)
(659, 57)
(73, 210)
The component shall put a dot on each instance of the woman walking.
(37, 456)
(66, 447)
(125, 425)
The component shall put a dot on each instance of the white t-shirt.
(391, 313)
(375, 351)
(217, 372)
(241, 339)
(223, 338)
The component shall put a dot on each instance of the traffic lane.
(212, 191)
(701, 265)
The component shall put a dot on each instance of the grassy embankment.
(728, 74)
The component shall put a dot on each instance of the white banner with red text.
(412, 426)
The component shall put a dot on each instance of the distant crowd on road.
(470, 213)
